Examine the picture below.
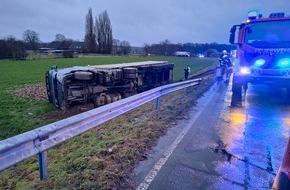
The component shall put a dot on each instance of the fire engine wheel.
(237, 95)
(130, 70)
(81, 75)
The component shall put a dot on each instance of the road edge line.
(156, 168)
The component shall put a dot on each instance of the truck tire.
(82, 75)
(108, 99)
(119, 96)
(100, 100)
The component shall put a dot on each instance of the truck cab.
(263, 53)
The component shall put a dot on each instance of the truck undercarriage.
(104, 84)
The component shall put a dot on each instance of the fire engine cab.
(263, 53)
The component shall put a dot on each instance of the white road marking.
(156, 168)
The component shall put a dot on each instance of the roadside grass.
(98, 159)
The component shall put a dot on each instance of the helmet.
(225, 52)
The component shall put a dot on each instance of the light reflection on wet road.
(256, 134)
(231, 148)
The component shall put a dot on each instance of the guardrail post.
(158, 103)
(42, 162)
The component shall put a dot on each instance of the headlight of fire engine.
(245, 70)
(284, 63)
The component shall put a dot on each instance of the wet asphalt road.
(223, 147)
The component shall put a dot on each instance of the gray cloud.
(139, 22)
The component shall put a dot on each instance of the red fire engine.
(263, 53)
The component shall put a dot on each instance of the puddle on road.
(233, 161)
(221, 149)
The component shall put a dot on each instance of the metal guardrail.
(36, 142)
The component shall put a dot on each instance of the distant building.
(182, 54)
(45, 50)
(57, 47)
(79, 47)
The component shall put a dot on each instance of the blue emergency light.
(285, 62)
(259, 62)
(252, 15)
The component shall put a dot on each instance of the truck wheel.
(100, 100)
(236, 95)
(81, 75)
(108, 99)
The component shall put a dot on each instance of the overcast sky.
(136, 21)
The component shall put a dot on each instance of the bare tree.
(125, 47)
(31, 38)
(90, 35)
(146, 49)
(64, 43)
(104, 33)
(116, 46)
(59, 38)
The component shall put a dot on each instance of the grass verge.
(18, 115)
(102, 158)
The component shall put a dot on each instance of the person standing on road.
(186, 72)
(226, 64)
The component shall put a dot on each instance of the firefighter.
(186, 72)
(226, 64)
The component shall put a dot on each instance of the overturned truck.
(103, 84)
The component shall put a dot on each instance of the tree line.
(166, 48)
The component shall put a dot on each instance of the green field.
(18, 115)
(83, 162)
